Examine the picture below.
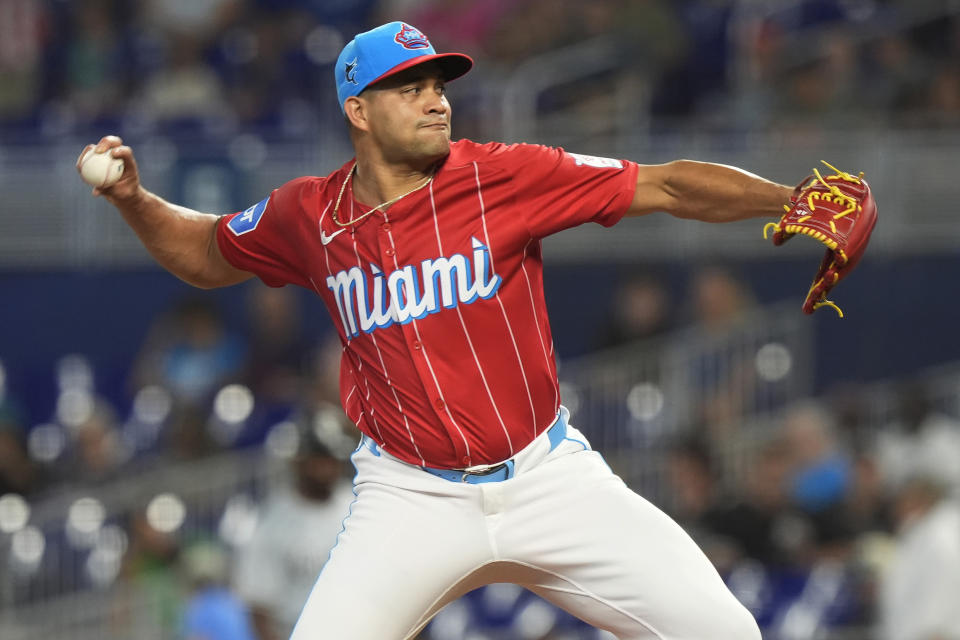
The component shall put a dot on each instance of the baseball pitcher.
(426, 252)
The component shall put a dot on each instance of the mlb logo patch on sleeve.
(595, 161)
(249, 219)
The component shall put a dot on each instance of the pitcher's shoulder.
(467, 151)
(317, 186)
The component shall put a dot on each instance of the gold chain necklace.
(379, 207)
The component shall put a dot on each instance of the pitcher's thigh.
(610, 557)
(396, 558)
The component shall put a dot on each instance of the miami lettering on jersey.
(411, 292)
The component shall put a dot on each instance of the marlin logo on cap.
(350, 71)
(411, 38)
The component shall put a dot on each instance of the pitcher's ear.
(355, 111)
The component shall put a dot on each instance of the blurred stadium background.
(145, 426)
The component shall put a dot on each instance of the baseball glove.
(839, 211)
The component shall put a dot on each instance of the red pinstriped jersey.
(448, 358)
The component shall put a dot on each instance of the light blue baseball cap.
(390, 48)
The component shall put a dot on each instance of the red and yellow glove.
(839, 211)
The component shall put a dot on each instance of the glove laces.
(839, 197)
(835, 196)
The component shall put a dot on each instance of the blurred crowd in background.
(837, 520)
(194, 366)
(224, 65)
(832, 520)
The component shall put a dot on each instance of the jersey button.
(465, 460)
(439, 404)
(385, 226)
(417, 345)
(390, 251)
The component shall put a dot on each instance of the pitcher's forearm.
(181, 240)
(707, 191)
(721, 193)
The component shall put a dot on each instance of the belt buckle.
(486, 472)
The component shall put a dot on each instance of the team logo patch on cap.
(411, 38)
(350, 71)
(249, 219)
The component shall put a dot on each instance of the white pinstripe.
(359, 368)
(426, 357)
(366, 382)
(533, 306)
(463, 325)
(503, 309)
(383, 365)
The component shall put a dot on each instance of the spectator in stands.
(821, 471)
(761, 519)
(24, 29)
(719, 299)
(531, 27)
(920, 591)
(264, 61)
(868, 502)
(696, 500)
(279, 352)
(754, 521)
(299, 525)
(944, 96)
(692, 479)
(454, 23)
(749, 104)
(895, 75)
(821, 474)
(920, 440)
(200, 19)
(640, 309)
(321, 401)
(191, 353)
(149, 573)
(720, 303)
(186, 89)
(695, 71)
(94, 60)
(867, 505)
(212, 611)
(806, 102)
(17, 472)
(97, 453)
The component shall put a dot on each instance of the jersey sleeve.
(263, 239)
(560, 189)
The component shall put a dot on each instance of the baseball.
(100, 169)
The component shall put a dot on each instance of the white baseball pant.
(564, 526)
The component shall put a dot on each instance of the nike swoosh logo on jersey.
(327, 239)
